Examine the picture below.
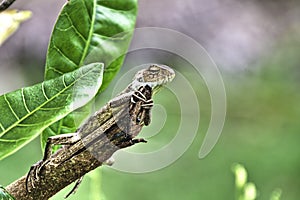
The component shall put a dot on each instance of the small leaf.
(27, 111)
(240, 175)
(10, 21)
(88, 31)
(250, 191)
(276, 194)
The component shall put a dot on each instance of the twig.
(5, 4)
(54, 178)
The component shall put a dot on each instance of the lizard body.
(113, 127)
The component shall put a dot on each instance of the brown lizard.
(113, 127)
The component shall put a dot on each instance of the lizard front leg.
(64, 139)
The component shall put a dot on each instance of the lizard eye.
(140, 79)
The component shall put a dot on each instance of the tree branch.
(111, 128)
(53, 178)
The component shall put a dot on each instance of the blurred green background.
(262, 126)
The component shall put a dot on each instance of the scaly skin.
(113, 127)
(154, 76)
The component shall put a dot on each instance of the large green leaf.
(27, 111)
(88, 31)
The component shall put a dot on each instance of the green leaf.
(27, 111)
(88, 31)
(4, 195)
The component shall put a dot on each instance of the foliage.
(261, 131)
(27, 111)
(244, 190)
(88, 31)
(247, 190)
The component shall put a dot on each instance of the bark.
(111, 128)
(53, 178)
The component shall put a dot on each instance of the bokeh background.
(256, 46)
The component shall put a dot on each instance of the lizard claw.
(138, 140)
(33, 175)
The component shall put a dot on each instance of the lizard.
(112, 127)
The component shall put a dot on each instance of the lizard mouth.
(170, 77)
(171, 74)
(155, 76)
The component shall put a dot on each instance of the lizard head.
(154, 76)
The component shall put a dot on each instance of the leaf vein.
(24, 100)
(1, 126)
(110, 38)
(75, 28)
(44, 92)
(64, 29)
(63, 55)
(28, 125)
(78, 33)
(56, 108)
(10, 107)
(64, 82)
(90, 34)
(40, 106)
(13, 140)
(55, 70)
(86, 7)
